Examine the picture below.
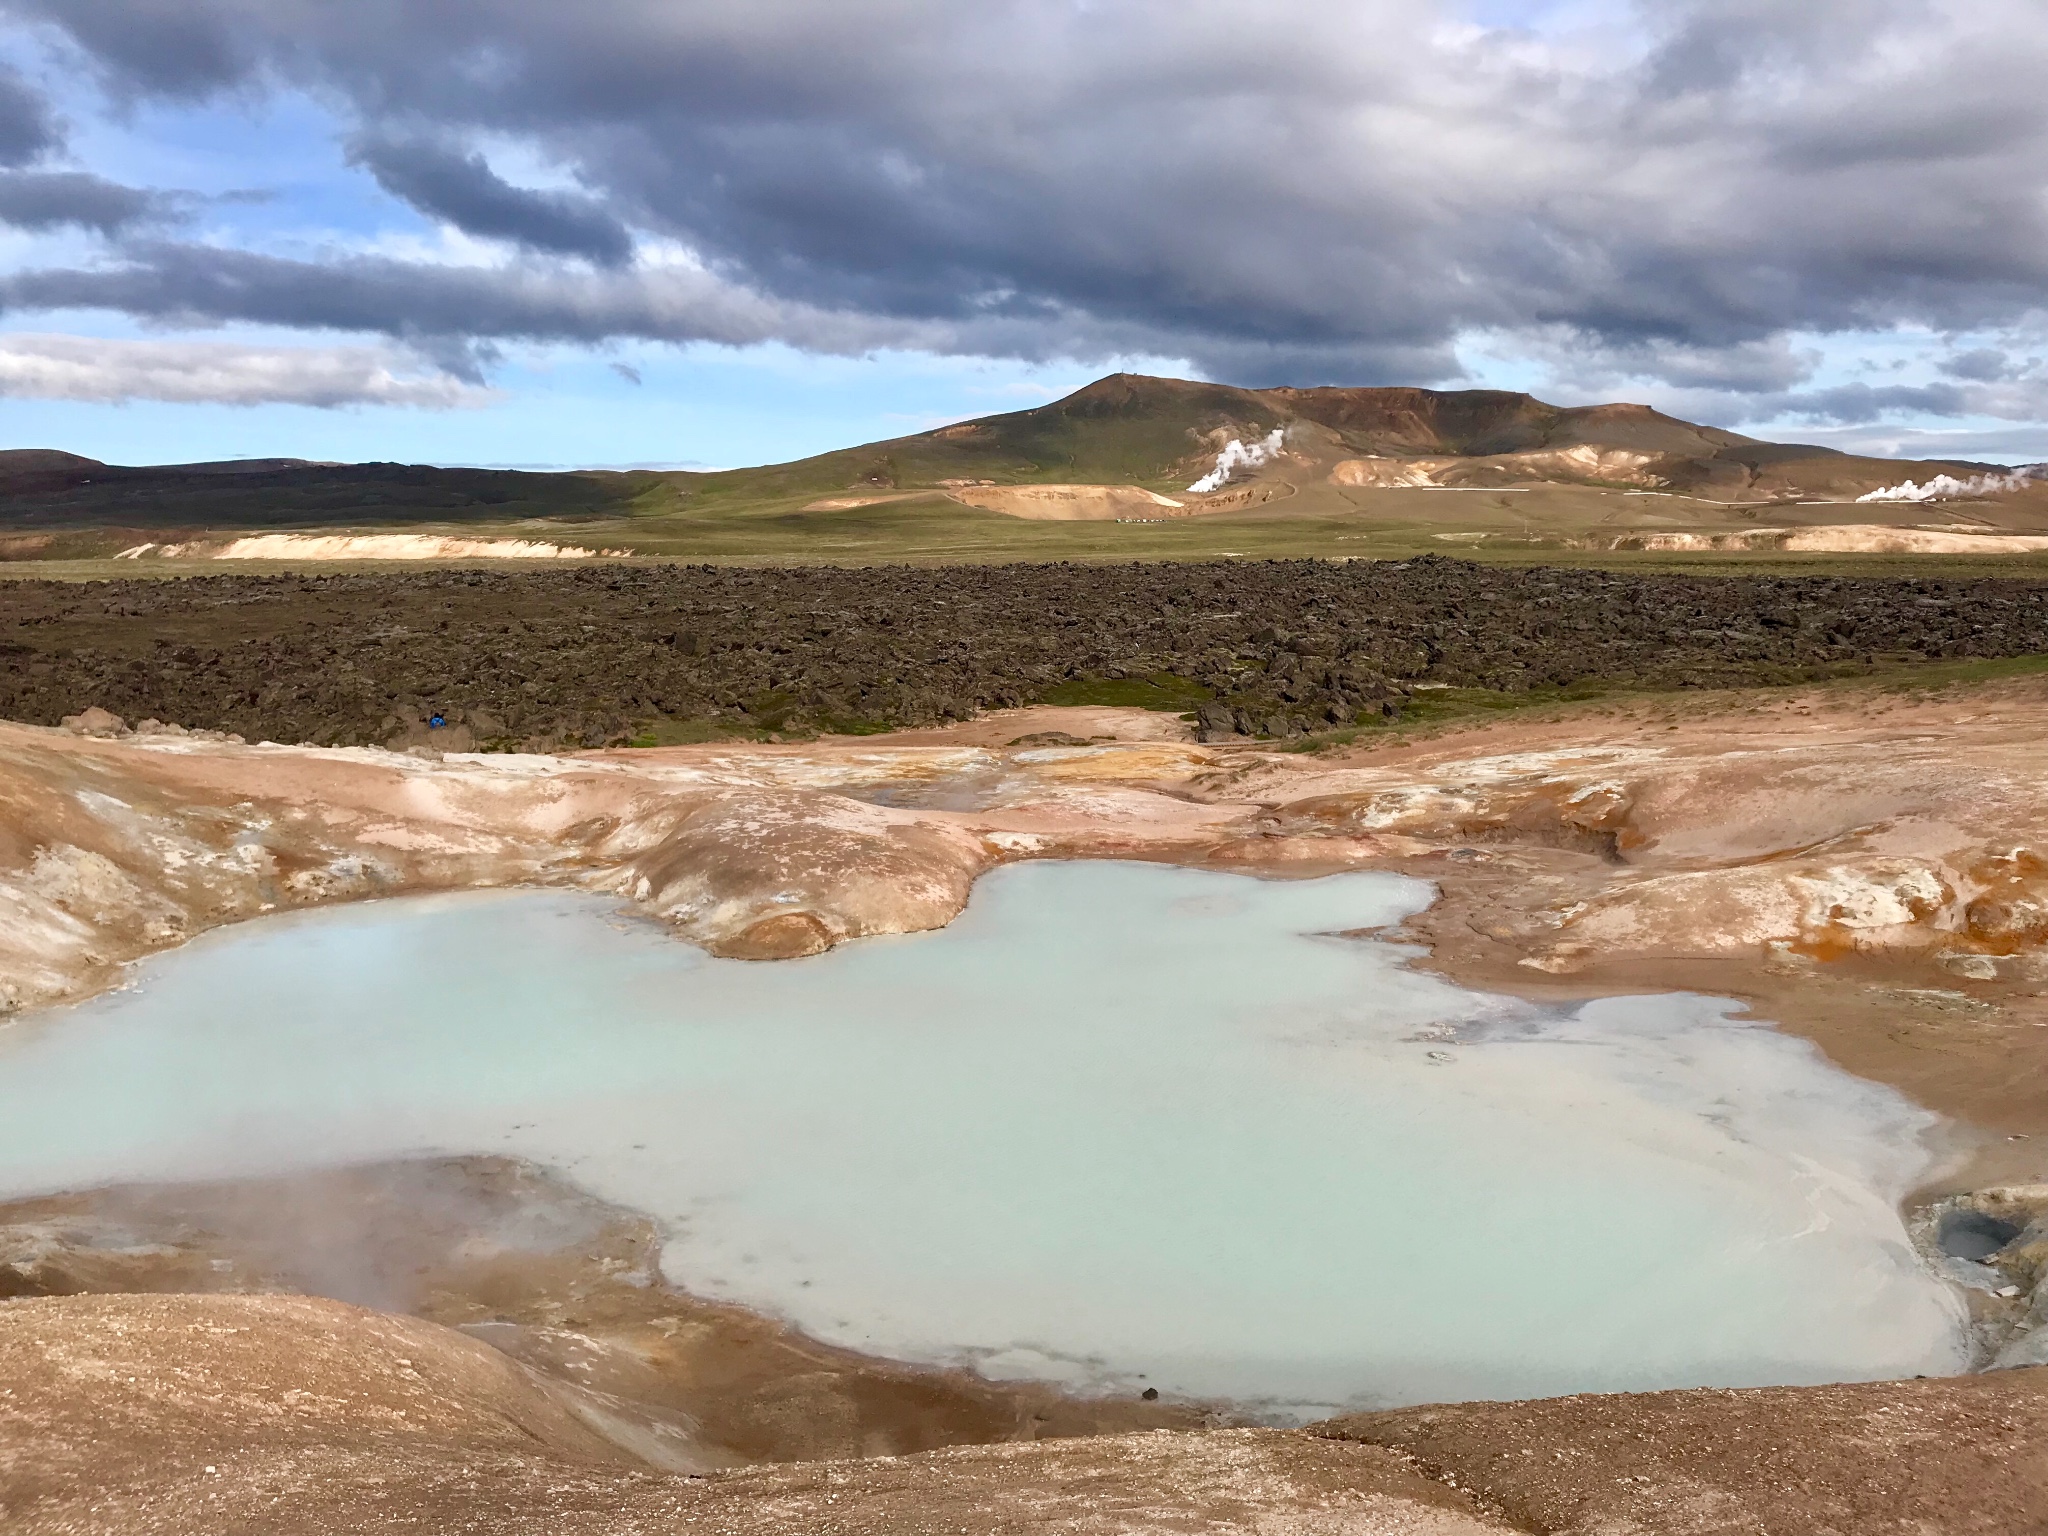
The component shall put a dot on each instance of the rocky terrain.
(546, 660)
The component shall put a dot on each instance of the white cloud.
(91, 368)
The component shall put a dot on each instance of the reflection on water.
(1119, 1123)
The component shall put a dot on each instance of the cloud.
(445, 307)
(1984, 365)
(454, 314)
(1857, 404)
(51, 367)
(45, 199)
(1338, 193)
(2020, 397)
(2022, 444)
(1589, 365)
(465, 191)
(28, 130)
(628, 372)
(40, 200)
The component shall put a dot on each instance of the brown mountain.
(1123, 430)
(1166, 433)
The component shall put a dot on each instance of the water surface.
(1119, 1124)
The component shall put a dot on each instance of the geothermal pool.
(1118, 1126)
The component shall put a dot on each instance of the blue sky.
(692, 405)
(696, 407)
(403, 240)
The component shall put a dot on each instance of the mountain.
(1125, 445)
(1167, 433)
(42, 489)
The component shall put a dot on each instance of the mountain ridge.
(1147, 434)
(1165, 433)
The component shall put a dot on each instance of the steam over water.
(1118, 1125)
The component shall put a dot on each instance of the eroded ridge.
(1777, 833)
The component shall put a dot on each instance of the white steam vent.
(1236, 455)
(1946, 487)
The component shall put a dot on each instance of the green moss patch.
(1161, 691)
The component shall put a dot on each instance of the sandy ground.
(267, 1414)
(1082, 725)
(1073, 503)
(136, 1414)
(1845, 539)
(367, 546)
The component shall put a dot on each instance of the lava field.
(595, 655)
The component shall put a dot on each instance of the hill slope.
(1126, 448)
(44, 489)
(1166, 434)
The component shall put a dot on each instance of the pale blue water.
(1119, 1124)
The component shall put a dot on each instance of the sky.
(723, 232)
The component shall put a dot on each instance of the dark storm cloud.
(1982, 365)
(27, 128)
(1322, 189)
(52, 199)
(1856, 404)
(464, 190)
(450, 313)
(49, 199)
(419, 301)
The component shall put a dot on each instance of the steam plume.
(1944, 487)
(1235, 455)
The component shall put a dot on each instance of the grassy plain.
(1540, 525)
